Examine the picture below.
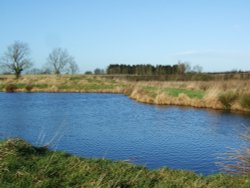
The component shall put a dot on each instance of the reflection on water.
(115, 127)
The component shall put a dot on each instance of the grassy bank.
(22, 165)
(219, 94)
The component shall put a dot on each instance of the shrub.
(245, 100)
(10, 88)
(28, 87)
(227, 99)
(1, 87)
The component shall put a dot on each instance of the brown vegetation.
(220, 94)
(10, 88)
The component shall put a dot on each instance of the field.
(232, 94)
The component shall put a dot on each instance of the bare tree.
(197, 69)
(183, 67)
(16, 58)
(59, 61)
(73, 67)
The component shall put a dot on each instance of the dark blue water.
(115, 127)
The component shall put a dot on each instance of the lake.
(115, 127)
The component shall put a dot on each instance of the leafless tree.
(59, 61)
(73, 67)
(183, 67)
(16, 58)
(197, 69)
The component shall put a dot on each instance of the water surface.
(115, 127)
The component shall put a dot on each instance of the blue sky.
(214, 34)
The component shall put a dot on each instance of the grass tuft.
(10, 88)
(227, 99)
(245, 100)
(28, 87)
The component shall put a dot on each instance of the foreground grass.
(22, 165)
(220, 94)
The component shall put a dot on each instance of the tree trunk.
(18, 74)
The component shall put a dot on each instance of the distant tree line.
(16, 60)
(147, 69)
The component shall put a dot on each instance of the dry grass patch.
(245, 100)
(227, 99)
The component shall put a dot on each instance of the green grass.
(93, 80)
(175, 92)
(97, 87)
(20, 85)
(151, 91)
(40, 86)
(87, 87)
(150, 88)
(74, 78)
(22, 165)
(17, 85)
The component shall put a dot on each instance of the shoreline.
(196, 94)
(145, 100)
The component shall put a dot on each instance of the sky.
(214, 34)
